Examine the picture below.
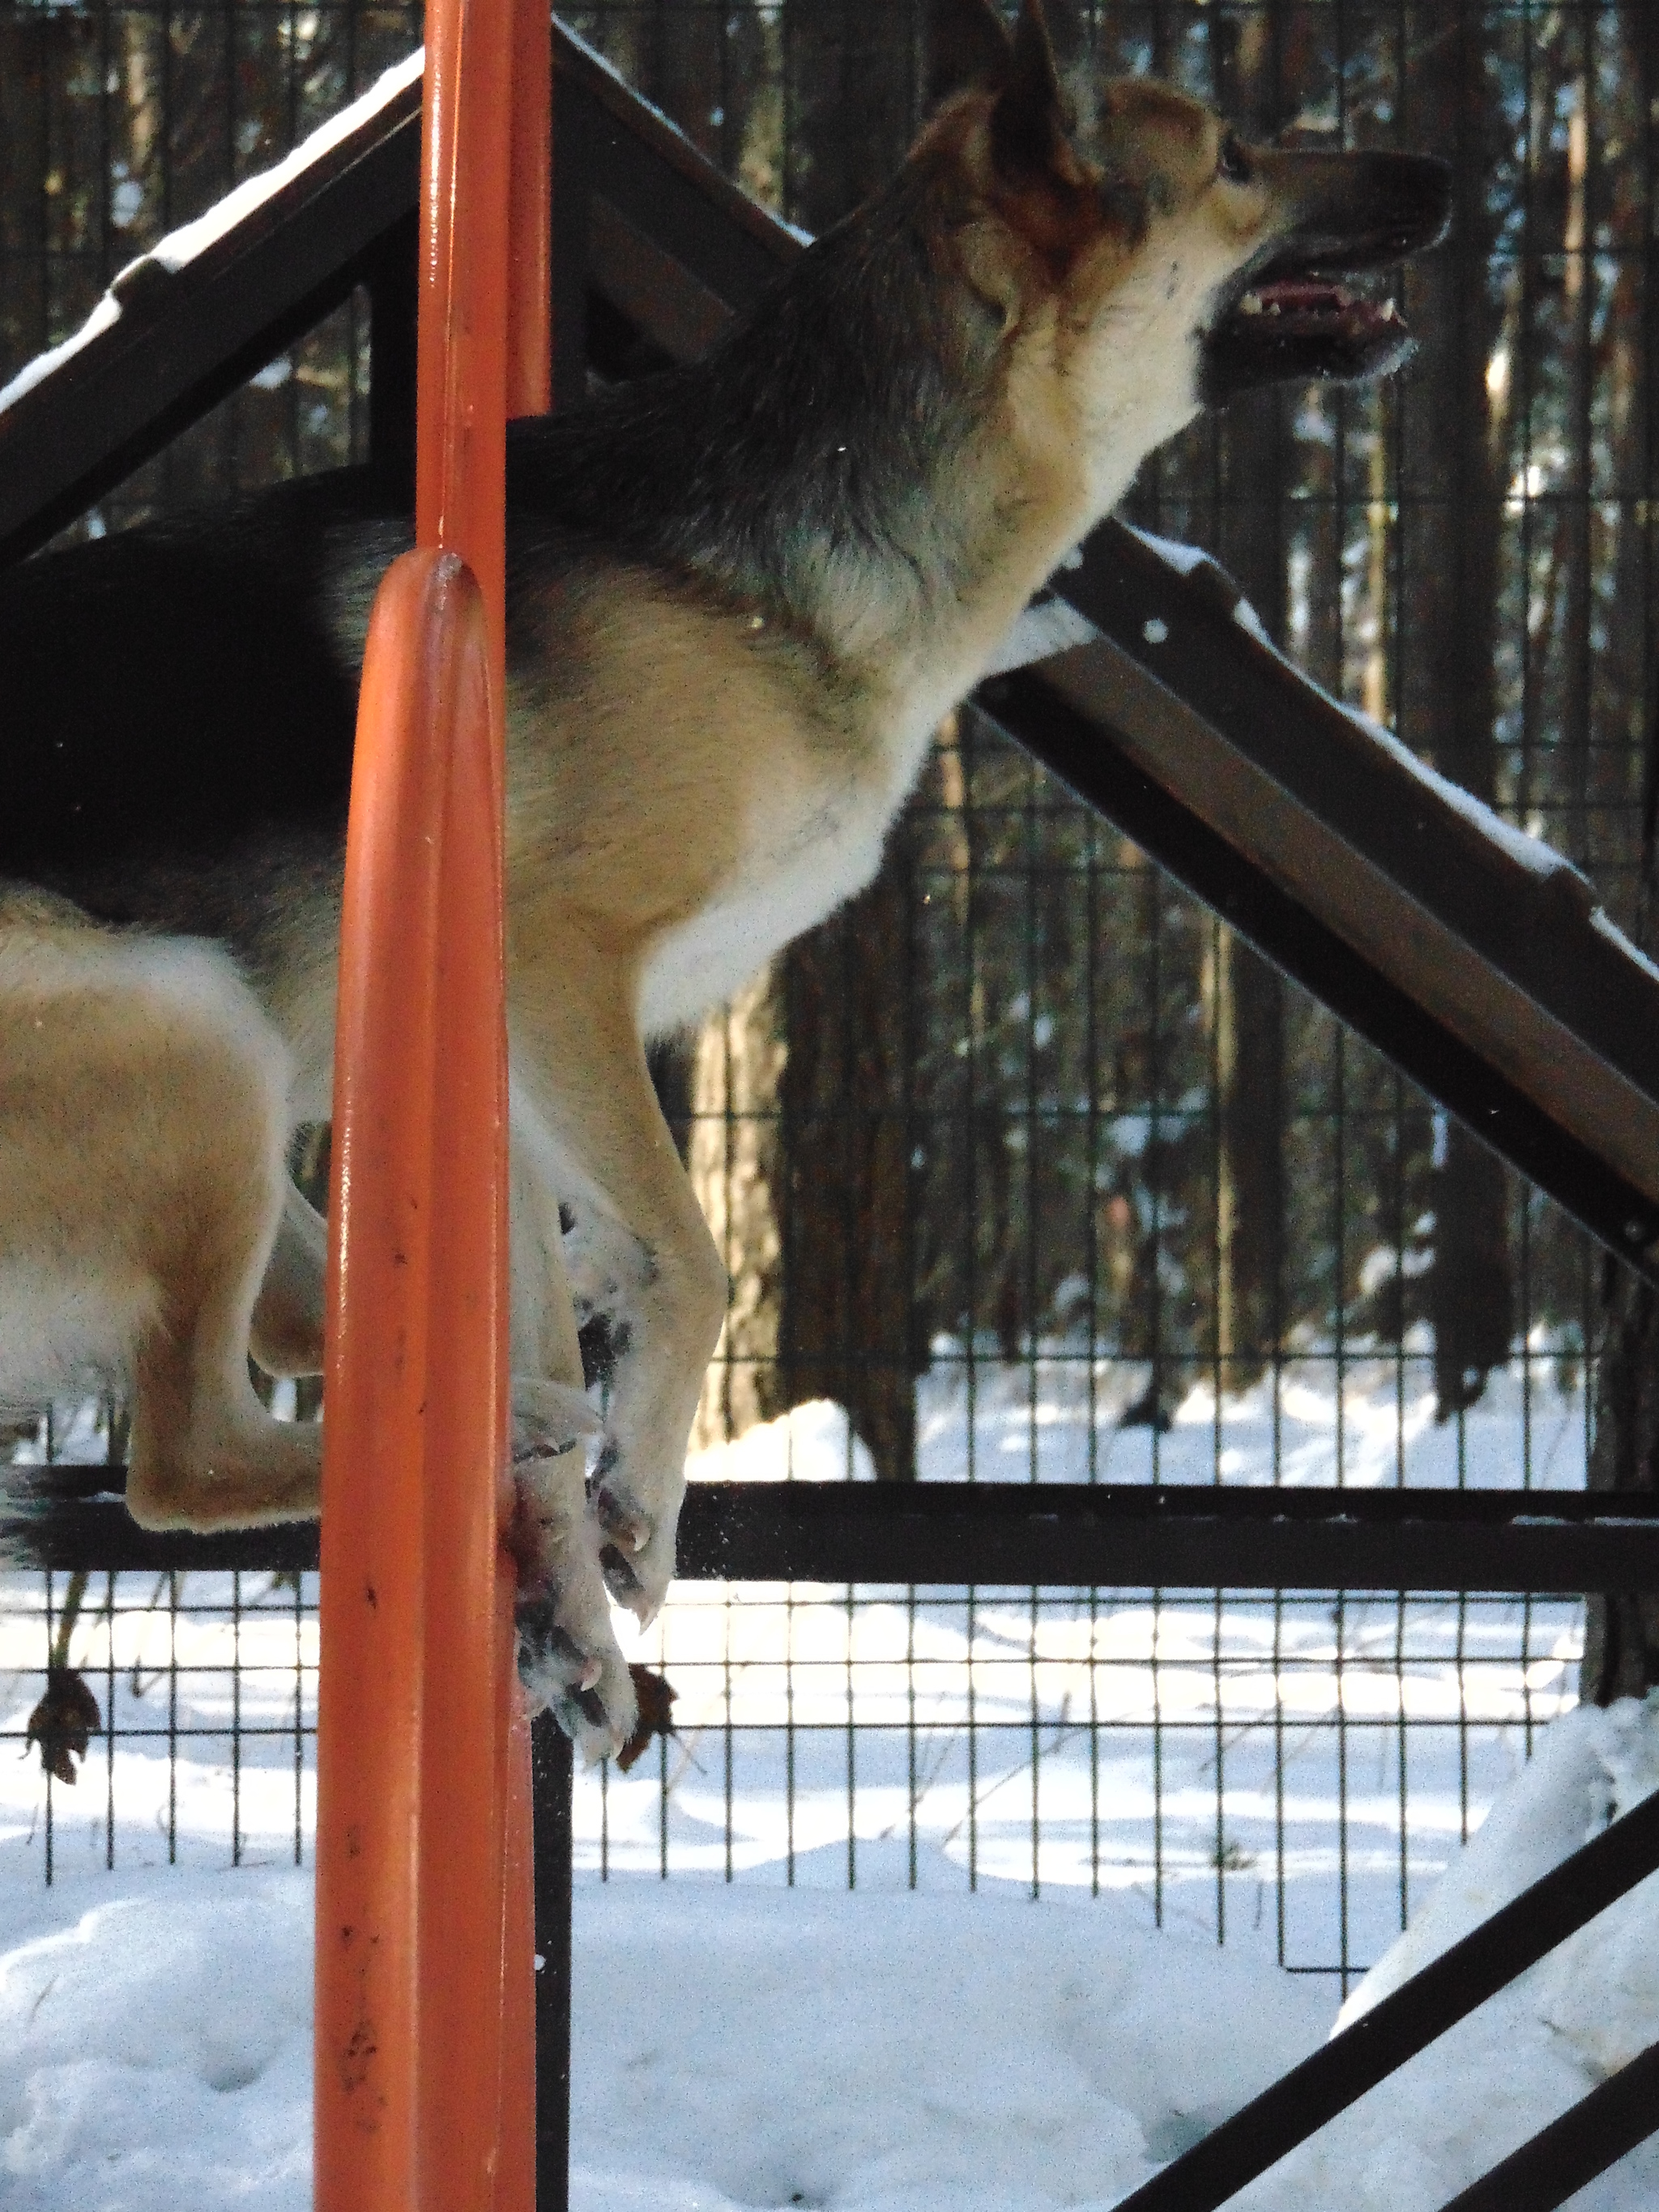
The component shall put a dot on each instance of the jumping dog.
(741, 597)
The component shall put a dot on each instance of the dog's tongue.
(1295, 295)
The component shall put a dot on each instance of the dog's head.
(1166, 264)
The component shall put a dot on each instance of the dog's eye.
(1233, 161)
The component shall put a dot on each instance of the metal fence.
(1026, 1160)
(1287, 1773)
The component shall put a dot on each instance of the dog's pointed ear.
(1068, 33)
(1030, 120)
(967, 44)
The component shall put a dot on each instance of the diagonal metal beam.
(1559, 2160)
(182, 337)
(1379, 993)
(1408, 2020)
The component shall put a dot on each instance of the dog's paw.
(568, 1657)
(635, 1547)
(570, 1661)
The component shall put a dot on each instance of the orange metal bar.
(461, 356)
(425, 2007)
(414, 1437)
(530, 221)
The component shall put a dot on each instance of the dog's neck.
(892, 476)
(868, 464)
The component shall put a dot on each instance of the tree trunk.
(847, 1326)
(1256, 80)
(25, 318)
(1454, 519)
(734, 1158)
(1621, 1631)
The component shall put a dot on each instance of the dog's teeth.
(1390, 312)
(1251, 304)
(1274, 307)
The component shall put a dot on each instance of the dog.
(741, 597)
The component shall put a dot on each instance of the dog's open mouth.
(1291, 317)
(1302, 327)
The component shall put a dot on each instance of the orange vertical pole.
(530, 221)
(416, 1782)
(409, 1834)
(461, 358)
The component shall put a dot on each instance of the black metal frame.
(1051, 1535)
(1229, 767)
(1411, 2018)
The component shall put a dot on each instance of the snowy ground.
(739, 2050)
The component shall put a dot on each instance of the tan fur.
(144, 1113)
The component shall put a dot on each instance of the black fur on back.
(168, 689)
(814, 434)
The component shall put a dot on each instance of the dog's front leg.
(648, 1264)
(568, 1656)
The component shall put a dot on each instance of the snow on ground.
(1210, 1761)
(1055, 1419)
(1275, 1771)
(736, 2049)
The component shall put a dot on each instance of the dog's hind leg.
(143, 1122)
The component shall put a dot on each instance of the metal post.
(551, 1775)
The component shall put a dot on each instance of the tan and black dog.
(741, 597)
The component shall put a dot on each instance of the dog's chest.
(813, 834)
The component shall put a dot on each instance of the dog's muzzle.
(1291, 317)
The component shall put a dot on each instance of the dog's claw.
(635, 1552)
(622, 1520)
(549, 1418)
(591, 1694)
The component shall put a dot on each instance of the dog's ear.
(967, 44)
(1068, 33)
(1031, 120)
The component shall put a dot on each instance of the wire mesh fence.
(197, 1747)
(1287, 1773)
(1025, 1161)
